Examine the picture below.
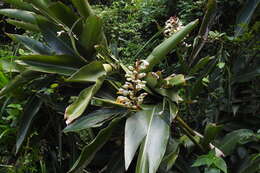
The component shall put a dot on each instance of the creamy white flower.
(141, 75)
(131, 68)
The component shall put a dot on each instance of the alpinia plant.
(138, 102)
(75, 46)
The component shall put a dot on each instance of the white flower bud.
(131, 68)
(141, 75)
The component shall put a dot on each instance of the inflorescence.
(130, 94)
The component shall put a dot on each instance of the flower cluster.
(129, 92)
(172, 26)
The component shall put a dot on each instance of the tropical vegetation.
(139, 86)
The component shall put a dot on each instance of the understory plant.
(137, 118)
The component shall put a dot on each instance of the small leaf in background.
(245, 15)
(212, 170)
(31, 110)
(234, 138)
(221, 65)
(89, 151)
(211, 160)
(175, 80)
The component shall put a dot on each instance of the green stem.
(189, 132)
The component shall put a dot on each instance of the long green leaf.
(23, 15)
(77, 108)
(135, 131)
(94, 119)
(18, 81)
(232, 139)
(250, 164)
(245, 15)
(210, 133)
(90, 150)
(83, 8)
(31, 44)
(20, 4)
(24, 25)
(61, 64)
(60, 44)
(92, 33)
(30, 112)
(62, 13)
(159, 53)
(88, 73)
(154, 145)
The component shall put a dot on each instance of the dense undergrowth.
(192, 106)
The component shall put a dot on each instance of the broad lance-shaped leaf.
(171, 154)
(210, 133)
(232, 139)
(30, 112)
(154, 145)
(89, 151)
(61, 45)
(60, 64)
(24, 25)
(152, 131)
(25, 16)
(94, 119)
(245, 15)
(31, 44)
(91, 34)
(77, 108)
(18, 81)
(160, 52)
(250, 165)
(135, 131)
(20, 4)
(88, 73)
(201, 64)
(83, 8)
(174, 80)
(64, 15)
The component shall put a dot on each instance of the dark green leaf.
(159, 53)
(18, 81)
(33, 45)
(88, 73)
(92, 33)
(204, 29)
(77, 108)
(60, 44)
(62, 13)
(61, 64)
(20, 4)
(25, 16)
(83, 8)
(232, 139)
(94, 119)
(245, 15)
(90, 150)
(24, 25)
(210, 133)
(250, 164)
(30, 112)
